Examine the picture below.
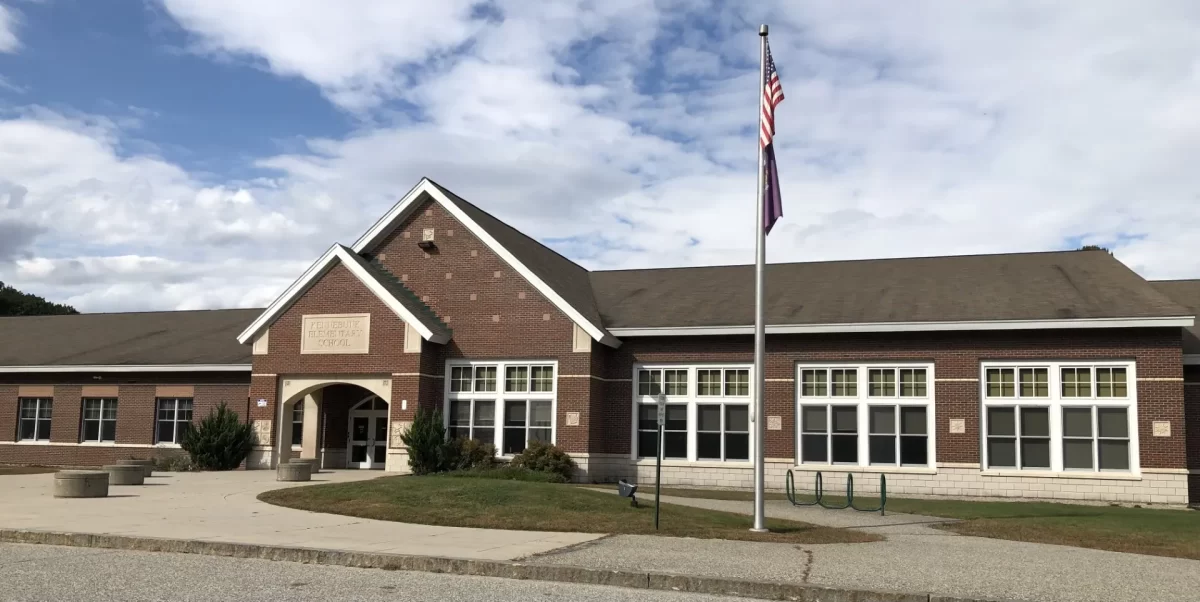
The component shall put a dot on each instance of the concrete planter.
(312, 464)
(81, 483)
(147, 465)
(294, 472)
(125, 474)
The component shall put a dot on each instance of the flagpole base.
(760, 530)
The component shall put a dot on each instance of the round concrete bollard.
(312, 464)
(294, 472)
(125, 474)
(81, 483)
(147, 465)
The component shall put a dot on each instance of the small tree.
(428, 449)
(220, 442)
(543, 456)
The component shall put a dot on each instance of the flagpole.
(760, 260)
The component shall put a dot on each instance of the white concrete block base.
(1167, 488)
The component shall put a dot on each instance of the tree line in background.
(15, 303)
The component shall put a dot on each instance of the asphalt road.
(52, 573)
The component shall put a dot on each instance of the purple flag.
(773, 202)
(772, 96)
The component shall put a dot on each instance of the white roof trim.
(132, 368)
(1181, 321)
(1191, 360)
(407, 204)
(314, 273)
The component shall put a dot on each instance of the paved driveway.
(221, 507)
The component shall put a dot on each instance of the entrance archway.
(367, 440)
(310, 391)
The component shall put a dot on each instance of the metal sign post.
(662, 420)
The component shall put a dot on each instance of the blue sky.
(201, 153)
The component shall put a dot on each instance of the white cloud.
(623, 132)
(8, 30)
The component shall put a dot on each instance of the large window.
(99, 420)
(707, 413)
(865, 414)
(175, 418)
(298, 423)
(1059, 416)
(505, 403)
(35, 419)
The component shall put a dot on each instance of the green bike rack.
(790, 489)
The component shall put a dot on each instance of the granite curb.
(479, 568)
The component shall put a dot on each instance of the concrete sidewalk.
(221, 507)
(914, 558)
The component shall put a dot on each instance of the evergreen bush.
(220, 442)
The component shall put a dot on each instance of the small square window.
(675, 382)
(813, 383)
(649, 382)
(881, 382)
(912, 382)
(845, 382)
(1076, 382)
(1110, 382)
(737, 383)
(516, 379)
(485, 379)
(1035, 382)
(460, 379)
(1000, 382)
(708, 382)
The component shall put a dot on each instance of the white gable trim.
(1181, 321)
(408, 204)
(336, 253)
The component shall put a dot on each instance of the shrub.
(508, 473)
(220, 442)
(174, 463)
(428, 449)
(474, 454)
(542, 456)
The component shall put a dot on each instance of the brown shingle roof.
(1025, 286)
(1187, 294)
(126, 339)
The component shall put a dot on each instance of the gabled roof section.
(1066, 289)
(395, 295)
(566, 284)
(1187, 294)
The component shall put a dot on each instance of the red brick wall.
(1191, 394)
(954, 355)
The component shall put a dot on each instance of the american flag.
(772, 96)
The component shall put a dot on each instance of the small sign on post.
(662, 421)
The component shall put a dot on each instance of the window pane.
(913, 422)
(460, 379)
(647, 443)
(1119, 386)
(882, 383)
(814, 383)
(91, 409)
(297, 433)
(883, 449)
(1114, 454)
(108, 430)
(542, 434)
(514, 440)
(542, 379)
(460, 413)
(28, 428)
(540, 413)
(649, 382)
(675, 445)
(483, 435)
(1035, 382)
(708, 446)
(45, 408)
(676, 418)
(91, 430)
(845, 419)
(813, 449)
(1002, 452)
(1001, 421)
(708, 382)
(109, 409)
(999, 382)
(883, 420)
(1035, 453)
(845, 382)
(514, 413)
(813, 419)
(914, 450)
(676, 382)
(737, 382)
(737, 446)
(912, 382)
(1077, 453)
(1035, 422)
(1113, 422)
(166, 432)
(516, 379)
(647, 417)
(1077, 422)
(485, 378)
(737, 419)
(485, 413)
(845, 449)
(709, 418)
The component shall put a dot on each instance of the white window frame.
(42, 405)
(692, 400)
(863, 401)
(175, 421)
(298, 406)
(501, 396)
(83, 420)
(1056, 403)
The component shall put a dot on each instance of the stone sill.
(739, 464)
(1103, 476)
(868, 469)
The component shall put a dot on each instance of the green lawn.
(529, 506)
(1156, 532)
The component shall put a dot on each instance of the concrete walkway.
(914, 558)
(221, 507)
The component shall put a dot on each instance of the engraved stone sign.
(572, 418)
(958, 426)
(399, 427)
(336, 333)
(774, 423)
(1162, 428)
(262, 432)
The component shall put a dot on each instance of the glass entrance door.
(368, 435)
